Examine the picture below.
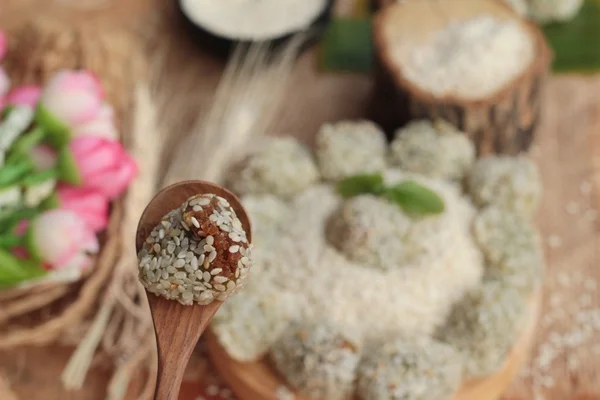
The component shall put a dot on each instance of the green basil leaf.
(361, 184)
(415, 199)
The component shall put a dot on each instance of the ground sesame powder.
(470, 59)
(197, 253)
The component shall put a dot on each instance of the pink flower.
(73, 97)
(4, 82)
(103, 125)
(103, 165)
(3, 45)
(88, 204)
(24, 96)
(61, 239)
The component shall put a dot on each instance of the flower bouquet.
(61, 165)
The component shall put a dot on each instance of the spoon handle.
(178, 329)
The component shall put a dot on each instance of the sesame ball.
(248, 324)
(511, 246)
(484, 326)
(282, 167)
(197, 253)
(369, 230)
(434, 149)
(508, 182)
(405, 369)
(350, 147)
(318, 360)
(267, 213)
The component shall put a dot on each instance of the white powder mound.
(468, 59)
(554, 10)
(411, 300)
(253, 19)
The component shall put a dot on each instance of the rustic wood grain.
(178, 327)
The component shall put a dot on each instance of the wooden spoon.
(178, 327)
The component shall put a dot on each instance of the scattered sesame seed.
(554, 241)
(195, 222)
(572, 208)
(591, 215)
(585, 187)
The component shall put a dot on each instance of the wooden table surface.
(566, 362)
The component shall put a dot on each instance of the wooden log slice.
(504, 122)
(259, 381)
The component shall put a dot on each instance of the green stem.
(14, 270)
(39, 177)
(10, 173)
(25, 143)
(8, 241)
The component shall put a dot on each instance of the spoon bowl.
(178, 327)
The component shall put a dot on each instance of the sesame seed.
(554, 241)
(234, 249)
(197, 208)
(220, 279)
(216, 271)
(591, 215)
(585, 187)
(209, 248)
(195, 222)
(206, 276)
(156, 248)
(572, 208)
(220, 288)
(210, 240)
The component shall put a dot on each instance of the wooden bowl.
(259, 381)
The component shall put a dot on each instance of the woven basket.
(39, 314)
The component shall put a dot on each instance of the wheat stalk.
(245, 107)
